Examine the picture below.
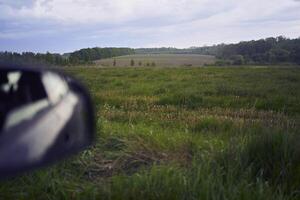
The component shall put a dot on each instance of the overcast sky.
(67, 25)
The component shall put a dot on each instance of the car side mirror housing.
(45, 116)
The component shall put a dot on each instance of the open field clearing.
(164, 60)
(181, 133)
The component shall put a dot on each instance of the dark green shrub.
(238, 60)
(132, 62)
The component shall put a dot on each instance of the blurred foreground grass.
(181, 133)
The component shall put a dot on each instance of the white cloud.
(17, 3)
(151, 22)
(113, 11)
(120, 11)
(78, 12)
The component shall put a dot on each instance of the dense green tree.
(238, 60)
(91, 54)
(264, 51)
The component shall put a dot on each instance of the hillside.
(270, 51)
(165, 60)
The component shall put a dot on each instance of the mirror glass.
(25, 93)
(44, 116)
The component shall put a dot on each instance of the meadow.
(162, 60)
(181, 133)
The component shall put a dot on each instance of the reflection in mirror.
(22, 94)
(41, 118)
(55, 87)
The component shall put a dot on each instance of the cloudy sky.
(67, 25)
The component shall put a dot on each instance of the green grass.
(182, 133)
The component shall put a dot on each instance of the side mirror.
(44, 116)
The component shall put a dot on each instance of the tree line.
(265, 51)
(91, 54)
(29, 58)
(83, 56)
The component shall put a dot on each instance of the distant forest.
(265, 51)
(83, 56)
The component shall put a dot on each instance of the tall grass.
(181, 133)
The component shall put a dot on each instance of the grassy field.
(182, 133)
(165, 60)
